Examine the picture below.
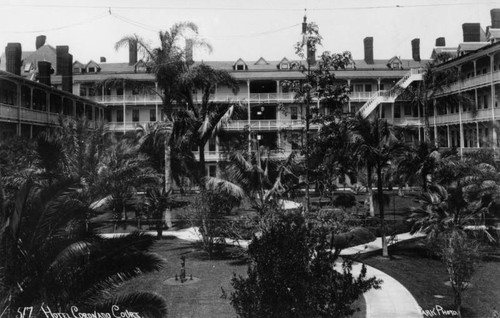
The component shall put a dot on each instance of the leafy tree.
(292, 274)
(376, 147)
(319, 84)
(211, 208)
(459, 254)
(52, 255)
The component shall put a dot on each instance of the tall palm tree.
(208, 117)
(167, 61)
(376, 146)
(53, 256)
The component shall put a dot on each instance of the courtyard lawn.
(425, 278)
(203, 298)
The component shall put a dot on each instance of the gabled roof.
(284, 60)
(140, 67)
(470, 46)
(93, 63)
(78, 64)
(451, 51)
(261, 61)
(239, 62)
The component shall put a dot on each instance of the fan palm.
(376, 146)
(419, 162)
(52, 255)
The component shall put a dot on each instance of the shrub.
(292, 274)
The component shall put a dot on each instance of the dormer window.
(240, 65)
(91, 69)
(284, 64)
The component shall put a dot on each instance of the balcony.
(28, 115)
(473, 82)
(152, 99)
(408, 122)
(360, 96)
(481, 115)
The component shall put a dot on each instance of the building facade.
(272, 113)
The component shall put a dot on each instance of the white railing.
(360, 96)
(126, 126)
(408, 122)
(478, 80)
(8, 111)
(390, 95)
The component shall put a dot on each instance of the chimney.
(132, 52)
(103, 59)
(415, 49)
(44, 71)
(472, 32)
(304, 25)
(67, 73)
(40, 41)
(61, 51)
(495, 18)
(440, 41)
(13, 53)
(368, 41)
(189, 51)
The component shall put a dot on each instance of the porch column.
(477, 135)
(249, 122)
(19, 102)
(349, 102)
(448, 137)
(419, 133)
(461, 128)
(436, 137)
(124, 108)
(156, 104)
(492, 85)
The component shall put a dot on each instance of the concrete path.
(392, 300)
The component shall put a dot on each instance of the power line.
(281, 9)
(92, 19)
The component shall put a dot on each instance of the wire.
(258, 34)
(100, 16)
(281, 9)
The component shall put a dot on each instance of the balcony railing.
(360, 96)
(480, 115)
(476, 81)
(408, 122)
(264, 98)
(28, 115)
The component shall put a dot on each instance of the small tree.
(210, 211)
(292, 274)
(459, 254)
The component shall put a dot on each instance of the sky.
(247, 29)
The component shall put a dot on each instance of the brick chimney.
(103, 59)
(13, 53)
(415, 49)
(132, 52)
(440, 41)
(67, 73)
(61, 51)
(44, 71)
(495, 18)
(40, 41)
(472, 32)
(368, 42)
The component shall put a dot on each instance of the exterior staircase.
(389, 96)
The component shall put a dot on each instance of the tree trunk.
(369, 188)
(380, 195)
(203, 170)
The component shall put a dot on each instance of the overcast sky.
(247, 29)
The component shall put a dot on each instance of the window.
(358, 88)
(240, 67)
(135, 91)
(152, 115)
(397, 111)
(107, 91)
(284, 66)
(83, 91)
(212, 170)
(119, 115)
(119, 91)
(407, 110)
(91, 69)
(211, 144)
(25, 96)
(77, 70)
(294, 113)
(368, 87)
(485, 101)
(135, 115)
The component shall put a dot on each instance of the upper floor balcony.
(465, 117)
(473, 82)
(153, 99)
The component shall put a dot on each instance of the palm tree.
(419, 162)
(208, 117)
(53, 256)
(168, 63)
(376, 146)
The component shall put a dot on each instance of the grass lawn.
(425, 278)
(202, 298)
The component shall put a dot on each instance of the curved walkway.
(392, 300)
